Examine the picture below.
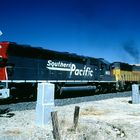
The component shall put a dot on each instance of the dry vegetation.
(93, 111)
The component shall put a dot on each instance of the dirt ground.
(101, 117)
(109, 119)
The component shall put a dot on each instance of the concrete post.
(135, 94)
(45, 103)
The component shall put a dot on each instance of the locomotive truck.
(23, 66)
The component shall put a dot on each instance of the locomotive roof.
(38, 52)
(104, 61)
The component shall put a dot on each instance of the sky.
(108, 29)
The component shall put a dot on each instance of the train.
(22, 67)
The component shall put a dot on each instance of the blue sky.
(98, 28)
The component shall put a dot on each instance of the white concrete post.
(45, 103)
(135, 94)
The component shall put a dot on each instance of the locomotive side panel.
(28, 63)
(23, 68)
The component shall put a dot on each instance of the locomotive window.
(102, 66)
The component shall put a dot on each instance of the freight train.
(23, 66)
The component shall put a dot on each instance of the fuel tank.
(74, 91)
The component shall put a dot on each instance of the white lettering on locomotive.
(62, 66)
(82, 72)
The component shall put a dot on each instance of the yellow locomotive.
(125, 75)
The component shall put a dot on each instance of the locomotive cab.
(105, 70)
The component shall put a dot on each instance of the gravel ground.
(102, 117)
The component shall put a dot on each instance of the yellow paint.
(122, 75)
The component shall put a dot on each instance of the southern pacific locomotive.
(22, 67)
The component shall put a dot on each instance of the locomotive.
(126, 75)
(23, 66)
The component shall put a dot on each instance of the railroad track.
(72, 99)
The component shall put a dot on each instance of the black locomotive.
(23, 66)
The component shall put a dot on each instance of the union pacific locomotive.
(23, 66)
